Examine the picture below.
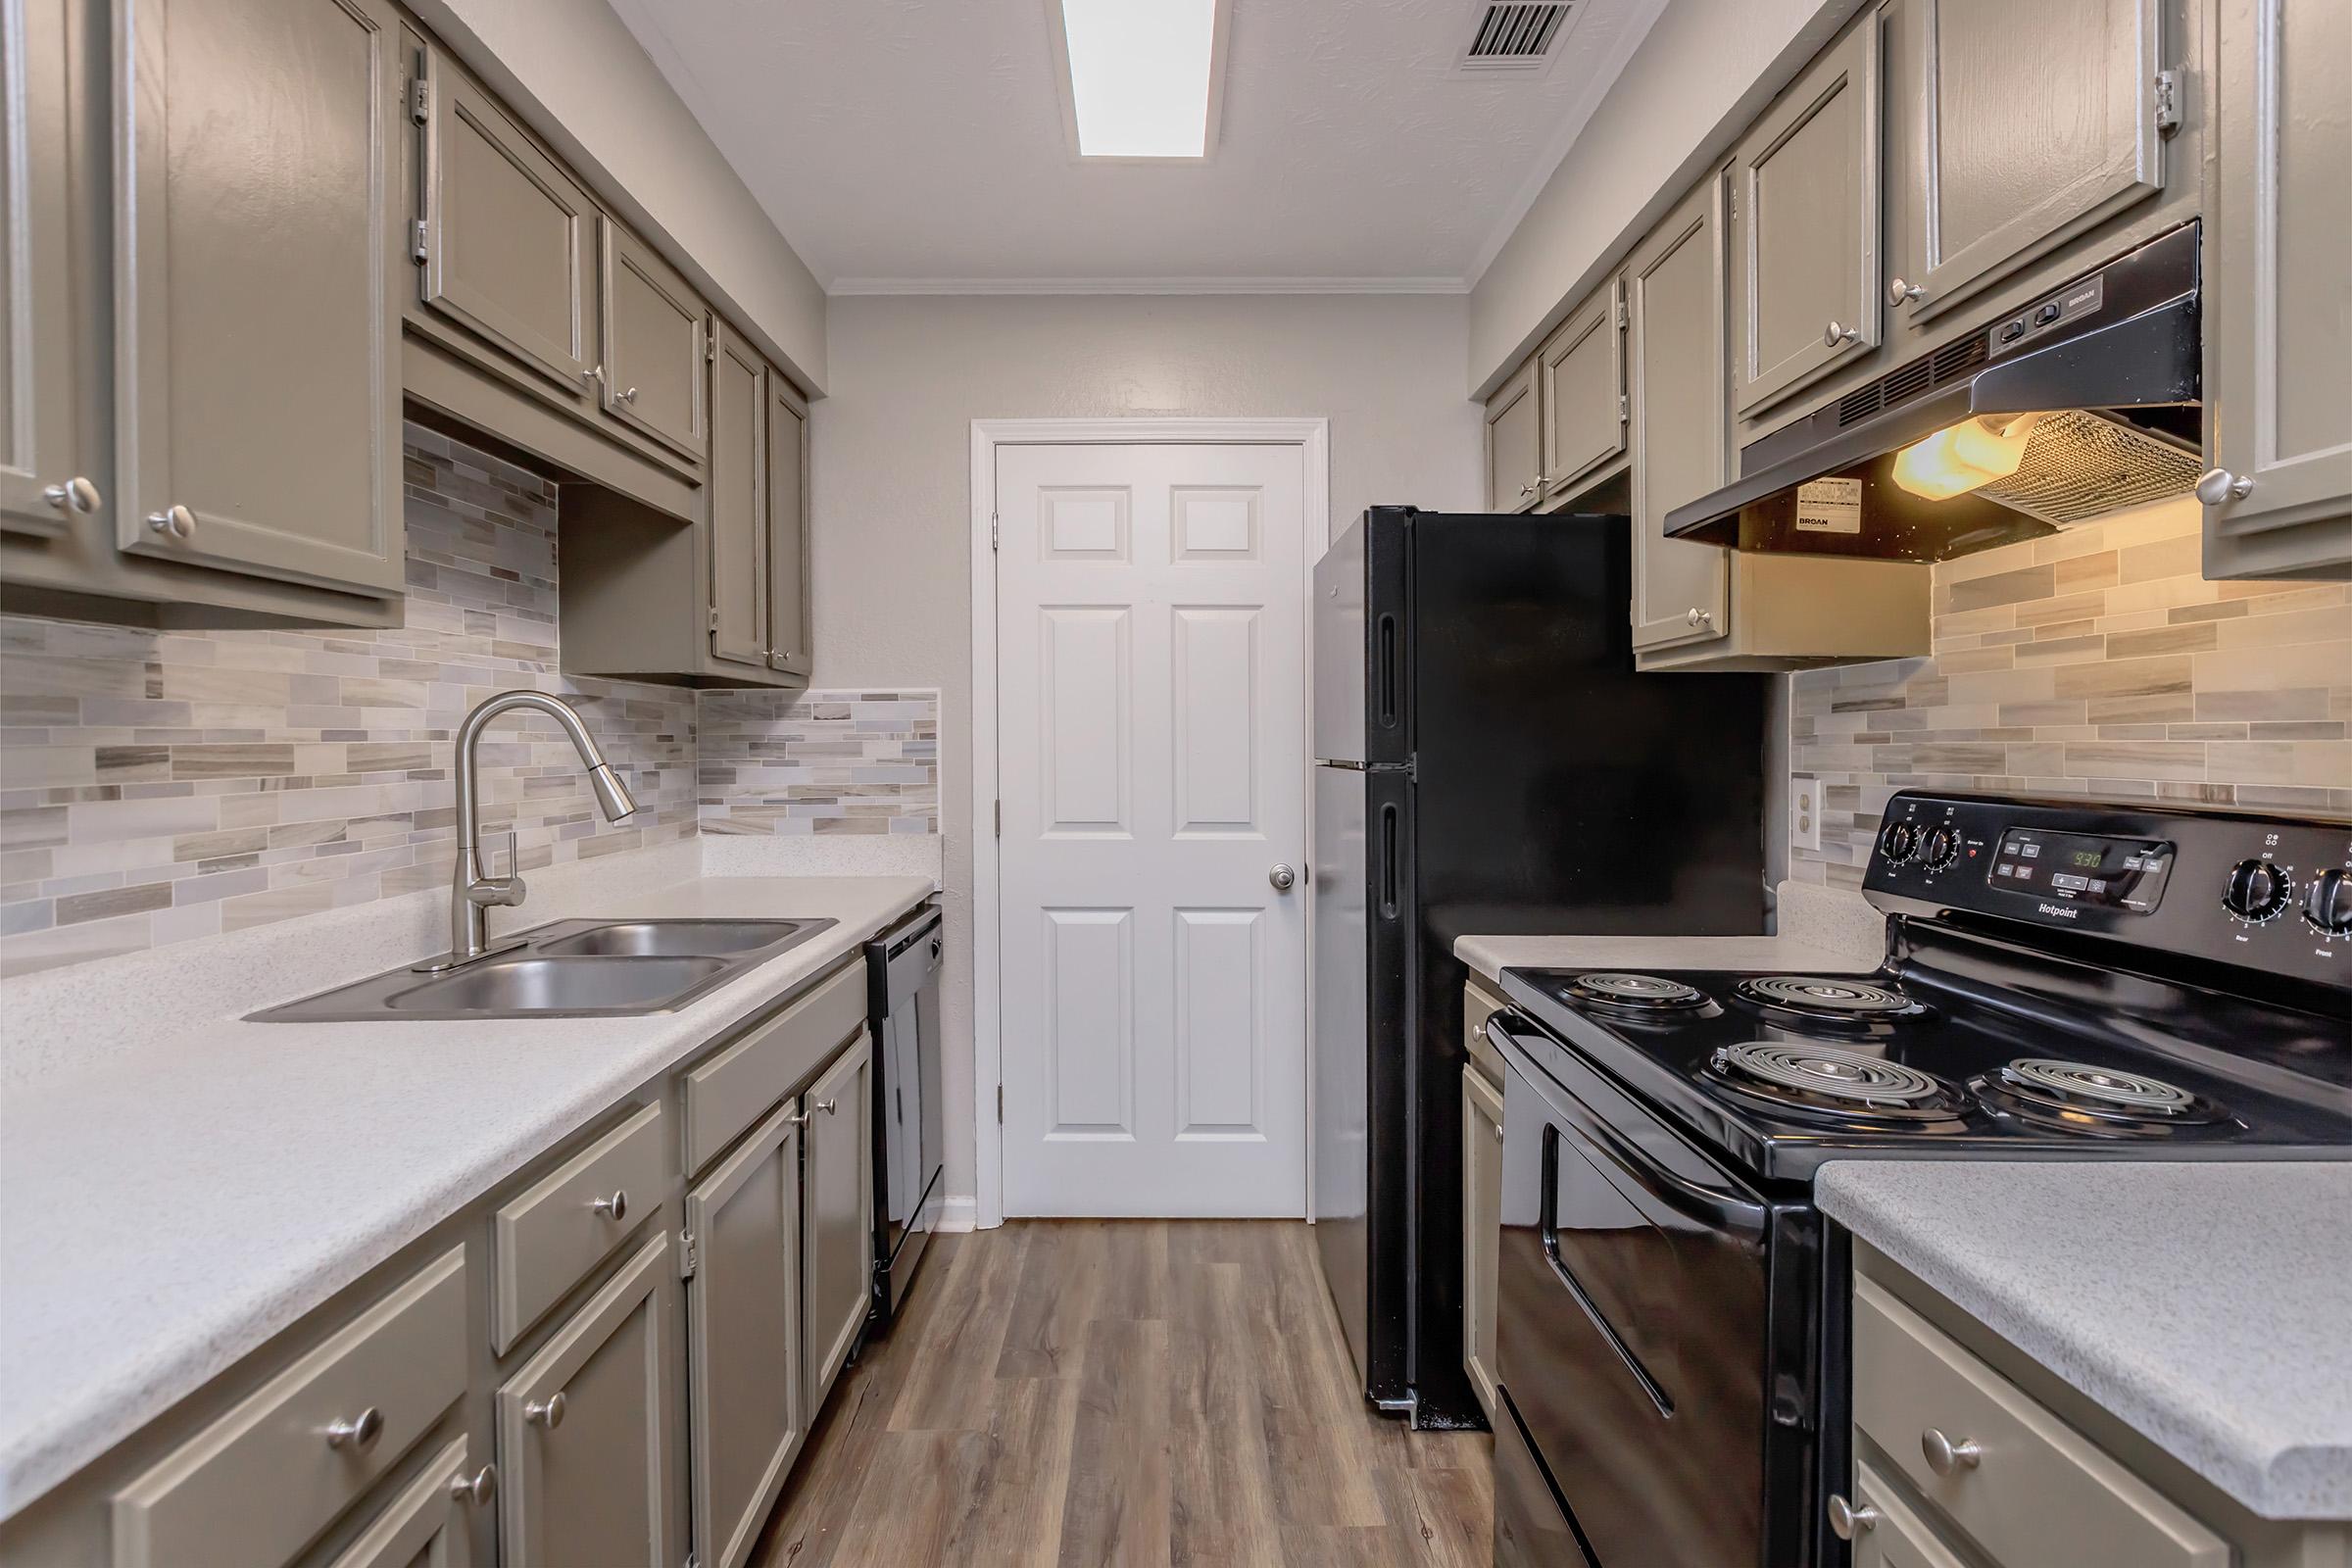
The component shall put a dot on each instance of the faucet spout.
(470, 892)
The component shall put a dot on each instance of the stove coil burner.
(1826, 1000)
(1833, 1082)
(1634, 992)
(2076, 1096)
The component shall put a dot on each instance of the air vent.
(1514, 37)
(1906, 382)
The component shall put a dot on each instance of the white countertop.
(175, 1202)
(2206, 1305)
(1490, 956)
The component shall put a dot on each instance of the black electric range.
(2061, 982)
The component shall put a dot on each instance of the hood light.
(1969, 456)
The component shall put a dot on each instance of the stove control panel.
(2268, 893)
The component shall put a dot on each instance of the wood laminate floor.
(1123, 1392)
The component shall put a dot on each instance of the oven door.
(1631, 1318)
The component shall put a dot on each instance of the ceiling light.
(1141, 78)
(1970, 455)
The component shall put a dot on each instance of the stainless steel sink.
(570, 969)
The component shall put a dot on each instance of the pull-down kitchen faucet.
(471, 894)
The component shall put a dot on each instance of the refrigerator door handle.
(1384, 675)
(1389, 824)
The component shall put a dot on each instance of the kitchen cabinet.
(1675, 387)
(738, 504)
(583, 1441)
(1804, 211)
(1514, 444)
(653, 327)
(1482, 1228)
(1580, 391)
(47, 471)
(2279, 301)
(838, 1227)
(1889, 1534)
(257, 391)
(743, 1337)
(787, 446)
(2032, 122)
(425, 1526)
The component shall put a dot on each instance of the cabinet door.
(738, 501)
(1675, 382)
(1805, 225)
(508, 235)
(585, 1466)
(743, 1337)
(425, 1525)
(653, 334)
(46, 474)
(1482, 1228)
(1897, 1536)
(2279, 335)
(787, 528)
(1580, 386)
(1514, 444)
(257, 394)
(838, 1228)
(2036, 118)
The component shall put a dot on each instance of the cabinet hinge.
(421, 237)
(690, 1255)
(1624, 316)
(714, 618)
(709, 346)
(1625, 407)
(999, 1104)
(2168, 102)
(991, 531)
(420, 99)
(1000, 818)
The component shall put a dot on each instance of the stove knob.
(2328, 904)
(2257, 891)
(1942, 848)
(1899, 842)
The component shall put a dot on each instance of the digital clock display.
(2086, 858)
(2077, 869)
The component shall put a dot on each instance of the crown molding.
(1147, 285)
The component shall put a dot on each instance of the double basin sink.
(570, 969)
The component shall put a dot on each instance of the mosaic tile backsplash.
(2092, 663)
(821, 762)
(156, 787)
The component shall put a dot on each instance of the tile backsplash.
(821, 762)
(2096, 663)
(158, 785)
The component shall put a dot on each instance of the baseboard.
(958, 1214)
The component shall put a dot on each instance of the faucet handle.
(513, 859)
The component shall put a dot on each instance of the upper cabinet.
(787, 441)
(1804, 207)
(2031, 120)
(1675, 357)
(2278, 307)
(738, 504)
(1514, 444)
(1580, 383)
(653, 328)
(45, 479)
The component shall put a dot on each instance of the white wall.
(891, 477)
(1696, 81)
(572, 70)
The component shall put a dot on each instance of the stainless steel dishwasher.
(902, 991)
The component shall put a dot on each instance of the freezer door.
(1342, 1049)
(1339, 638)
(1361, 641)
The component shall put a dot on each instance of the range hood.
(2082, 404)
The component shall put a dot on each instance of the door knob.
(476, 1488)
(1900, 293)
(76, 494)
(548, 1413)
(1836, 333)
(177, 522)
(1848, 1520)
(629, 396)
(1944, 1456)
(1282, 878)
(616, 1207)
(2217, 485)
(360, 1433)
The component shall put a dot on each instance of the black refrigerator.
(1487, 762)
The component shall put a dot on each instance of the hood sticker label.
(1829, 505)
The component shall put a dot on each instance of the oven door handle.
(1717, 1207)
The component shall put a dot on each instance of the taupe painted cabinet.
(837, 1244)
(738, 504)
(786, 435)
(1514, 443)
(1481, 1226)
(2278, 313)
(654, 326)
(1580, 386)
(45, 478)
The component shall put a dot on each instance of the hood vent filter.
(2080, 464)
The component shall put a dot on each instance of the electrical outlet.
(1804, 814)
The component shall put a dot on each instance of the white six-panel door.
(1150, 715)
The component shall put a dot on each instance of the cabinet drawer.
(550, 1237)
(743, 1082)
(424, 1525)
(1478, 1006)
(256, 1486)
(2037, 1491)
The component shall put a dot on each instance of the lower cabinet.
(743, 1337)
(837, 1245)
(425, 1525)
(1889, 1534)
(1482, 1228)
(582, 1445)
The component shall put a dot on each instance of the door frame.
(1312, 438)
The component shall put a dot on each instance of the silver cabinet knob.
(630, 396)
(1836, 333)
(176, 520)
(2216, 486)
(1282, 878)
(359, 1434)
(1848, 1521)
(1479, 1028)
(1496, 1128)
(478, 1489)
(594, 375)
(616, 1207)
(76, 494)
(1944, 1456)
(1530, 489)
(547, 1412)
(1701, 618)
(828, 1106)
(1900, 293)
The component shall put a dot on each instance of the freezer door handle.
(1388, 832)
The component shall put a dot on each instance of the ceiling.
(917, 145)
